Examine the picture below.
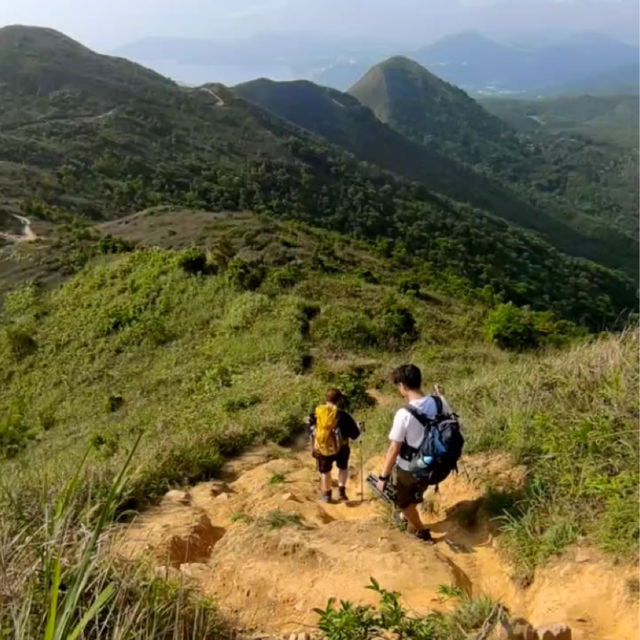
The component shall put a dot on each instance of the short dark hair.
(409, 375)
(334, 396)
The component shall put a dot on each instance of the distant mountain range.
(584, 63)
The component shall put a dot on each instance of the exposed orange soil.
(217, 536)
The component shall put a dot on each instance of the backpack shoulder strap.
(439, 406)
(418, 415)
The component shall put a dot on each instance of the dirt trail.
(28, 234)
(224, 538)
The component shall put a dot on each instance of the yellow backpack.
(327, 440)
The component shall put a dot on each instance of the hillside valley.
(150, 142)
(221, 333)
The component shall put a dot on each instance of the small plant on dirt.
(241, 516)
(354, 622)
(450, 591)
(277, 478)
(276, 519)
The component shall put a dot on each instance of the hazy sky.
(110, 23)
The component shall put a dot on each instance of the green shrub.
(353, 385)
(357, 622)
(349, 330)
(21, 343)
(396, 326)
(233, 405)
(409, 286)
(519, 329)
(193, 261)
(245, 276)
(14, 430)
(110, 244)
(114, 403)
(284, 277)
(21, 301)
(368, 276)
(244, 310)
(216, 377)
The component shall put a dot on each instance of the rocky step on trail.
(261, 543)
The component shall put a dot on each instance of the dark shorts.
(325, 463)
(409, 489)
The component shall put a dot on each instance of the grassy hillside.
(154, 143)
(588, 186)
(204, 354)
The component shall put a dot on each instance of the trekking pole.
(361, 427)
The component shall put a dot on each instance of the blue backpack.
(440, 449)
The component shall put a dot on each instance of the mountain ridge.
(169, 145)
(432, 112)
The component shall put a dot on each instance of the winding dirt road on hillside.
(224, 538)
(28, 234)
(216, 97)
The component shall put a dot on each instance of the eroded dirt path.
(268, 551)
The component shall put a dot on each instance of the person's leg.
(409, 495)
(342, 461)
(411, 514)
(325, 463)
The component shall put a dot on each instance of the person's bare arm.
(390, 459)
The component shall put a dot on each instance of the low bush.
(245, 276)
(396, 326)
(193, 261)
(233, 405)
(349, 330)
(21, 343)
(519, 329)
(14, 430)
(360, 622)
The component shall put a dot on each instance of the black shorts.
(409, 489)
(325, 463)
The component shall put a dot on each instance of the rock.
(293, 636)
(178, 497)
(195, 570)
(221, 497)
(556, 631)
(520, 629)
(218, 487)
(583, 555)
(286, 496)
(303, 635)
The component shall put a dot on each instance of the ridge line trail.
(262, 545)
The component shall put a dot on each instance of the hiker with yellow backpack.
(331, 429)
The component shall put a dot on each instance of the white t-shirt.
(407, 429)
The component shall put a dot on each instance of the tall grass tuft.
(58, 584)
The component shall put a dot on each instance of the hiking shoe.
(343, 493)
(425, 536)
(326, 497)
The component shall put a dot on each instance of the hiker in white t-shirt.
(407, 430)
